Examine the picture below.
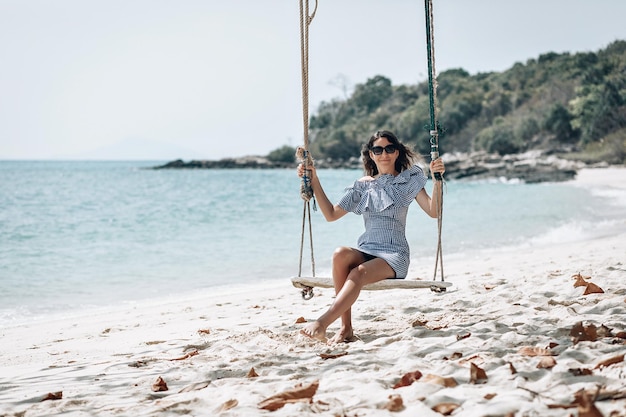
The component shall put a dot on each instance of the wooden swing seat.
(306, 284)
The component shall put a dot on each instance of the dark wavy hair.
(406, 157)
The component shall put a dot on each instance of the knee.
(342, 256)
(357, 275)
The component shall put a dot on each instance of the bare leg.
(350, 274)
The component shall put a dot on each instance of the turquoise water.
(77, 234)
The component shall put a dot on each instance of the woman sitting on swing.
(383, 197)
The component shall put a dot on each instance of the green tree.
(373, 93)
(285, 153)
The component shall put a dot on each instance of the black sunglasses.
(378, 150)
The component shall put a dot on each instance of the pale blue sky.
(215, 78)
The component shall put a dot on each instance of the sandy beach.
(539, 331)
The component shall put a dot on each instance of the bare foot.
(342, 336)
(315, 331)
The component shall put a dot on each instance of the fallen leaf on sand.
(447, 382)
(407, 379)
(228, 405)
(586, 407)
(546, 362)
(580, 281)
(610, 361)
(159, 385)
(204, 331)
(297, 394)
(512, 368)
(581, 333)
(300, 320)
(534, 351)
(252, 373)
(419, 323)
(592, 289)
(455, 355)
(621, 335)
(332, 355)
(186, 355)
(477, 375)
(445, 408)
(53, 396)
(489, 396)
(395, 403)
(463, 336)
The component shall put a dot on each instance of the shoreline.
(511, 312)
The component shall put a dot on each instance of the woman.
(382, 197)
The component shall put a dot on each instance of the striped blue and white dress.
(384, 203)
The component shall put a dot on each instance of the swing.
(306, 284)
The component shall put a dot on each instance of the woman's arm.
(331, 212)
(431, 205)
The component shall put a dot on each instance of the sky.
(210, 79)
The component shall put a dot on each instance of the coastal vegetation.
(572, 105)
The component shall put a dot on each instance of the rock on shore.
(530, 167)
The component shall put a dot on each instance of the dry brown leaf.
(581, 333)
(473, 358)
(552, 345)
(445, 408)
(534, 351)
(546, 362)
(489, 396)
(159, 385)
(186, 355)
(621, 335)
(332, 355)
(455, 355)
(297, 394)
(477, 375)
(204, 331)
(228, 405)
(447, 382)
(512, 368)
(586, 407)
(300, 320)
(251, 373)
(407, 379)
(463, 336)
(395, 403)
(610, 361)
(580, 281)
(53, 396)
(592, 289)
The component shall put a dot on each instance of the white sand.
(105, 362)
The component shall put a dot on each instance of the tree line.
(571, 104)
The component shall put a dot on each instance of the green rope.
(434, 132)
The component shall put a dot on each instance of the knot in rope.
(304, 156)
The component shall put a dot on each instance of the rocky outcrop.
(530, 167)
(258, 162)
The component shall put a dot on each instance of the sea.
(77, 235)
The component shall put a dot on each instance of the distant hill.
(571, 104)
